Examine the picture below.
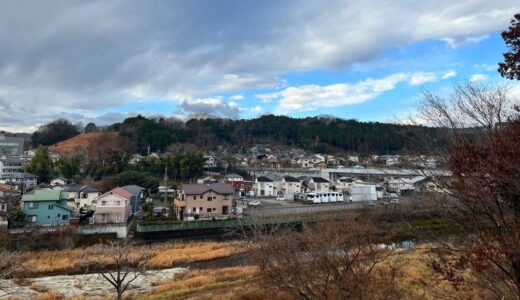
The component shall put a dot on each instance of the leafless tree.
(327, 260)
(121, 264)
(482, 129)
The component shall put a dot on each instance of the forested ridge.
(314, 134)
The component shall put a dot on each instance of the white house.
(81, 195)
(210, 161)
(290, 186)
(403, 185)
(264, 186)
(314, 184)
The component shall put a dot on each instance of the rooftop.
(46, 195)
(198, 189)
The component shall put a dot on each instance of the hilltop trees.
(510, 68)
(54, 132)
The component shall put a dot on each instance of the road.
(274, 207)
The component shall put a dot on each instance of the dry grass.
(202, 280)
(164, 256)
(416, 279)
(49, 296)
(81, 141)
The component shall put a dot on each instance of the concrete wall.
(121, 230)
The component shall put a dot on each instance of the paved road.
(273, 207)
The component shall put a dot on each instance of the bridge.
(332, 174)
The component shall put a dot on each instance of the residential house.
(343, 183)
(25, 181)
(290, 186)
(304, 162)
(264, 186)
(81, 196)
(10, 166)
(205, 200)
(235, 180)
(59, 181)
(314, 184)
(113, 207)
(137, 197)
(407, 185)
(210, 162)
(135, 159)
(46, 208)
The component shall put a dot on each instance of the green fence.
(246, 221)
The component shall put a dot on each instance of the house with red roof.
(113, 207)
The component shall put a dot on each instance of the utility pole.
(166, 184)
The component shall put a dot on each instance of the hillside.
(85, 141)
(314, 134)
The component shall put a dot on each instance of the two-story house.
(46, 208)
(113, 207)
(264, 186)
(205, 200)
(80, 195)
(235, 180)
(290, 186)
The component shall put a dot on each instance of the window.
(103, 203)
(201, 197)
(32, 219)
(209, 210)
(194, 209)
(118, 217)
(65, 217)
(59, 215)
(194, 197)
(118, 202)
(214, 209)
(210, 198)
(84, 195)
(51, 207)
(33, 205)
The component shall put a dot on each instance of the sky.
(103, 61)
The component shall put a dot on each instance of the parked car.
(281, 198)
(254, 203)
(370, 203)
(394, 201)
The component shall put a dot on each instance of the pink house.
(112, 207)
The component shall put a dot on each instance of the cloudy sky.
(104, 60)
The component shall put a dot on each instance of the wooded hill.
(326, 135)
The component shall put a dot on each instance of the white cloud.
(478, 77)
(215, 106)
(449, 74)
(143, 51)
(312, 97)
(457, 42)
(422, 77)
(237, 97)
(257, 109)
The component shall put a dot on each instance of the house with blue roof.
(46, 208)
(137, 197)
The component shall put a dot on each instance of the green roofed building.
(46, 208)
